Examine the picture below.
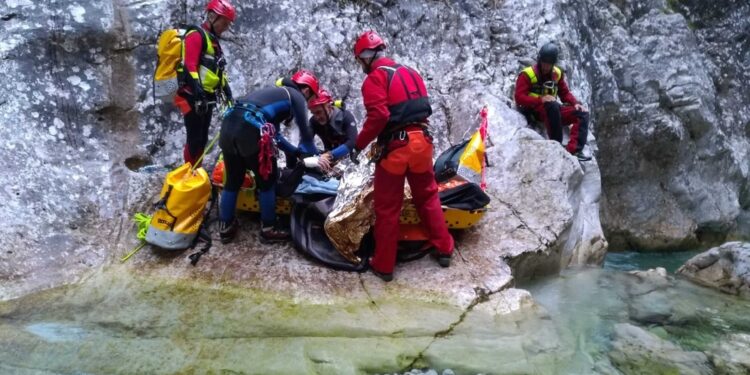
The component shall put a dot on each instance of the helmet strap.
(328, 111)
(211, 23)
(368, 63)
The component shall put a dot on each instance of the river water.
(117, 323)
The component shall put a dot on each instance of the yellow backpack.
(169, 57)
(181, 209)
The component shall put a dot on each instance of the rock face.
(83, 120)
(726, 268)
(671, 118)
(636, 350)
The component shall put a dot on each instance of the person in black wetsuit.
(336, 127)
(248, 133)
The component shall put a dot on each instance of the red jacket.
(523, 89)
(406, 101)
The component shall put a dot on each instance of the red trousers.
(558, 116)
(412, 162)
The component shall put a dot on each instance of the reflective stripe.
(536, 88)
(210, 79)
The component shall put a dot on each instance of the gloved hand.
(202, 107)
(311, 162)
(354, 155)
(228, 95)
(199, 98)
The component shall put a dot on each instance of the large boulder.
(726, 268)
(85, 123)
(671, 118)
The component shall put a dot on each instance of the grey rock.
(88, 115)
(636, 351)
(671, 134)
(731, 354)
(649, 298)
(726, 268)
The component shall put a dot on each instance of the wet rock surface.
(726, 268)
(644, 322)
(732, 354)
(635, 349)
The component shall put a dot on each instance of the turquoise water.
(586, 304)
(632, 260)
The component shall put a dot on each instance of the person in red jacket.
(537, 89)
(397, 115)
(202, 76)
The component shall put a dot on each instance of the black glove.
(199, 98)
(354, 155)
(228, 93)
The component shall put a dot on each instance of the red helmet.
(323, 97)
(307, 78)
(223, 8)
(368, 40)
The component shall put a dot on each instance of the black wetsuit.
(239, 141)
(240, 133)
(339, 134)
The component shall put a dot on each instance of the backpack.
(408, 101)
(169, 49)
(446, 165)
(181, 208)
(467, 159)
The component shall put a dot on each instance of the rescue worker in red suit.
(397, 106)
(537, 89)
(202, 76)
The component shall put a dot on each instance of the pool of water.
(632, 260)
(587, 304)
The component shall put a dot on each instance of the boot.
(227, 231)
(444, 260)
(387, 277)
(581, 156)
(273, 234)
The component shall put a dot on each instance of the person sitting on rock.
(335, 126)
(398, 108)
(537, 89)
(249, 135)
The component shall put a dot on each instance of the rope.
(141, 221)
(265, 158)
(483, 132)
(205, 151)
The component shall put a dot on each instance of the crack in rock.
(482, 296)
(542, 241)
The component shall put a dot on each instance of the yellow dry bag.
(181, 209)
